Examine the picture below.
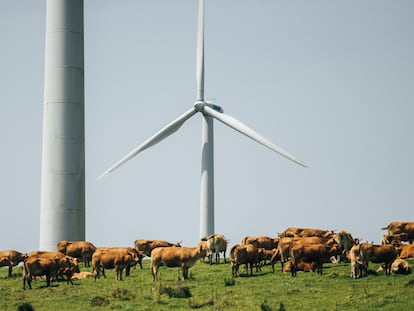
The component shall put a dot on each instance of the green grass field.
(212, 288)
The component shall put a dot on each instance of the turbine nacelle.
(199, 106)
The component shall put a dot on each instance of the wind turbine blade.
(153, 140)
(200, 52)
(244, 129)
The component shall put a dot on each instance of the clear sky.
(330, 81)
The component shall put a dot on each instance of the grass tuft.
(410, 283)
(99, 301)
(122, 294)
(199, 305)
(175, 292)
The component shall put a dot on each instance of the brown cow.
(146, 246)
(82, 250)
(306, 232)
(272, 255)
(377, 254)
(11, 258)
(49, 264)
(397, 227)
(390, 238)
(216, 243)
(406, 251)
(345, 241)
(67, 271)
(184, 257)
(118, 258)
(301, 266)
(261, 241)
(286, 243)
(357, 266)
(82, 275)
(399, 266)
(318, 253)
(248, 255)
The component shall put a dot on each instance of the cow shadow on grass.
(257, 274)
(245, 275)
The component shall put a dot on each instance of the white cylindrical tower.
(207, 178)
(62, 213)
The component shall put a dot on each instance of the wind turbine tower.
(62, 212)
(209, 112)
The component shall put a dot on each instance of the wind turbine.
(209, 112)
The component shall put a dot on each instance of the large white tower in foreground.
(62, 214)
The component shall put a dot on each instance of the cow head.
(136, 257)
(203, 249)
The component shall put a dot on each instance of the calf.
(248, 255)
(184, 257)
(301, 266)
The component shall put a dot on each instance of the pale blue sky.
(330, 81)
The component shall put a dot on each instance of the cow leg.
(48, 277)
(85, 261)
(387, 268)
(154, 272)
(293, 268)
(29, 281)
(234, 268)
(119, 273)
(103, 272)
(97, 272)
(184, 270)
(282, 263)
(10, 270)
(69, 275)
(27, 278)
(319, 267)
(251, 268)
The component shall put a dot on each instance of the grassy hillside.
(212, 288)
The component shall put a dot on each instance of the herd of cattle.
(297, 249)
